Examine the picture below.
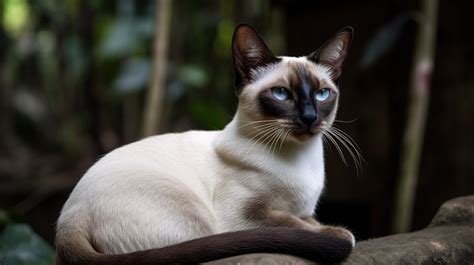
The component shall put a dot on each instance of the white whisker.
(284, 139)
(263, 127)
(344, 144)
(349, 121)
(349, 138)
(272, 141)
(247, 123)
(349, 144)
(260, 134)
(266, 137)
(331, 139)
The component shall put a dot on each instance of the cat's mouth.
(304, 134)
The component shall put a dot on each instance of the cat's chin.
(302, 137)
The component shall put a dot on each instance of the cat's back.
(180, 158)
(160, 152)
(165, 148)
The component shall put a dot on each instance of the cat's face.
(296, 95)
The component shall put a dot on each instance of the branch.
(417, 111)
(154, 101)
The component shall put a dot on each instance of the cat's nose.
(308, 118)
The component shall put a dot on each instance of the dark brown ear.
(249, 52)
(334, 51)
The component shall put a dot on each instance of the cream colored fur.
(175, 187)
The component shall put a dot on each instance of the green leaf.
(134, 75)
(15, 16)
(19, 245)
(193, 75)
(125, 36)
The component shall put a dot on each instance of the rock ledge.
(449, 239)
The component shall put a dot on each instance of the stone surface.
(449, 239)
(436, 245)
(457, 211)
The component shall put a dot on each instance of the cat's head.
(297, 95)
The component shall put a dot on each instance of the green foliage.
(15, 16)
(193, 75)
(4, 217)
(19, 245)
(125, 36)
(134, 75)
(75, 73)
(208, 115)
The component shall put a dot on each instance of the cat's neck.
(242, 143)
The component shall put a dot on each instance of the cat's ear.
(249, 51)
(334, 51)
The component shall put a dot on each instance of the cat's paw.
(340, 232)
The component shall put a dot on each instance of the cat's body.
(215, 185)
(172, 188)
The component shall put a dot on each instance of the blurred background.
(75, 77)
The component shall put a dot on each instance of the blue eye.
(322, 94)
(281, 93)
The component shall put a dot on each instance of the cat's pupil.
(322, 94)
(280, 93)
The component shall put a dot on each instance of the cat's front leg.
(334, 230)
(264, 217)
(260, 214)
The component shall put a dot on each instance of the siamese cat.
(199, 196)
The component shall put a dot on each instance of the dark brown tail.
(318, 247)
